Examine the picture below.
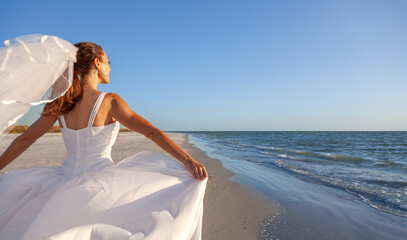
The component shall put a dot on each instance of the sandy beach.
(231, 211)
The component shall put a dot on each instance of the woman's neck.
(91, 81)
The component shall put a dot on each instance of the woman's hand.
(196, 169)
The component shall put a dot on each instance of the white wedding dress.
(145, 196)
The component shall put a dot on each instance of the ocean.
(371, 167)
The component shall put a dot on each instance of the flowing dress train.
(145, 196)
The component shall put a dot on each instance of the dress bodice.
(89, 149)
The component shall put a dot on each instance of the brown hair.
(87, 52)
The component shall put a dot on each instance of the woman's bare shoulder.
(113, 97)
(119, 109)
(115, 100)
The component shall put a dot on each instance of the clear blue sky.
(240, 65)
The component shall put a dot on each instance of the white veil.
(34, 69)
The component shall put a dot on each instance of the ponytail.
(87, 52)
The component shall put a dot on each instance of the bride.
(144, 196)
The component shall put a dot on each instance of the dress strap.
(96, 108)
(62, 121)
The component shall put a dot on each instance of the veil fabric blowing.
(34, 69)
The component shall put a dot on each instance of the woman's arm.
(122, 113)
(22, 142)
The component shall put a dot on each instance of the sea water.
(371, 166)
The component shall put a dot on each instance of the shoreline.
(231, 211)
(236, 212)
(310, 210)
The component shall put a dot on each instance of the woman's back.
(88, 148)
(79, 116)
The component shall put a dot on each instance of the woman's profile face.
(104, 69)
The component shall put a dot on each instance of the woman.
(145, 196)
